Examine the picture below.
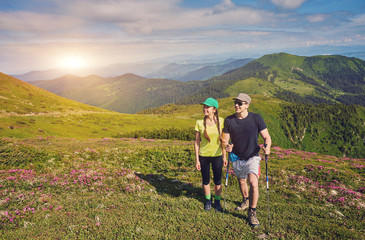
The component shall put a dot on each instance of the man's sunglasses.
(239, 103)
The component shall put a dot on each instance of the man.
(243, 129)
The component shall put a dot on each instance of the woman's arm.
(197, 148)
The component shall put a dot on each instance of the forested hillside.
(333, 129)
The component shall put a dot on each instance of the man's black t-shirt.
(244, 134)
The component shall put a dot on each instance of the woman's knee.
(217, 181)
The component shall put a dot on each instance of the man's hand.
(266, 149)
(229, 147)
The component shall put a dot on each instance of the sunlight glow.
(73, 62)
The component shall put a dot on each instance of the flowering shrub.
(26, 191)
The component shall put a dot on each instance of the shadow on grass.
(177, 188)
(172, 186)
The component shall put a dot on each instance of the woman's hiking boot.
(242, 206)
(208, 204)
(217, 206)
(252, 219)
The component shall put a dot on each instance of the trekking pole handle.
(229, 159)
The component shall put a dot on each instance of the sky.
(46, 34)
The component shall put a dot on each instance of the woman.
(208, 150)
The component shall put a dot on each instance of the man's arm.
(267, 140)
(225, 142)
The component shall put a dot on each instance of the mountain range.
(128, 93)
(316, 79)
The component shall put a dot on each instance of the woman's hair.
(216, 119)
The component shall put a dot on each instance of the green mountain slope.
(317, 79)
(20, 97)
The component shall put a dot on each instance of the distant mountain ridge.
(183, 71)
(196, 71)
(207, 72)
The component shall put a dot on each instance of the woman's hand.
(197, 165)
(225, 162)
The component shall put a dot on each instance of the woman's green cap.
(211, 102)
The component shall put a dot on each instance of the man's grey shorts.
(242, 168)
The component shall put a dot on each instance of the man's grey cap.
(243, 97)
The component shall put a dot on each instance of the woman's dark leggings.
(217, 165)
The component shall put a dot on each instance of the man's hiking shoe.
(242, 206)
(252, 218)
(217, 206)
(208, 205)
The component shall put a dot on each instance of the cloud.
(160, 16)
(33, 22)
(358, 20)
(226, 5)
(316, 18)
(288, 4)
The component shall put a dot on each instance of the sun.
(73, 62)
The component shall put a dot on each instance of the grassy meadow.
(62, 188)
(83, 124)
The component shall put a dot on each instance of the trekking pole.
(267, 188)
(226, 184)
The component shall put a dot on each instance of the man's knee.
(253, 180)
(242, 180)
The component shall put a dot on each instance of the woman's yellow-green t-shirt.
(212, 148)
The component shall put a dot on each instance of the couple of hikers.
(212, 142)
